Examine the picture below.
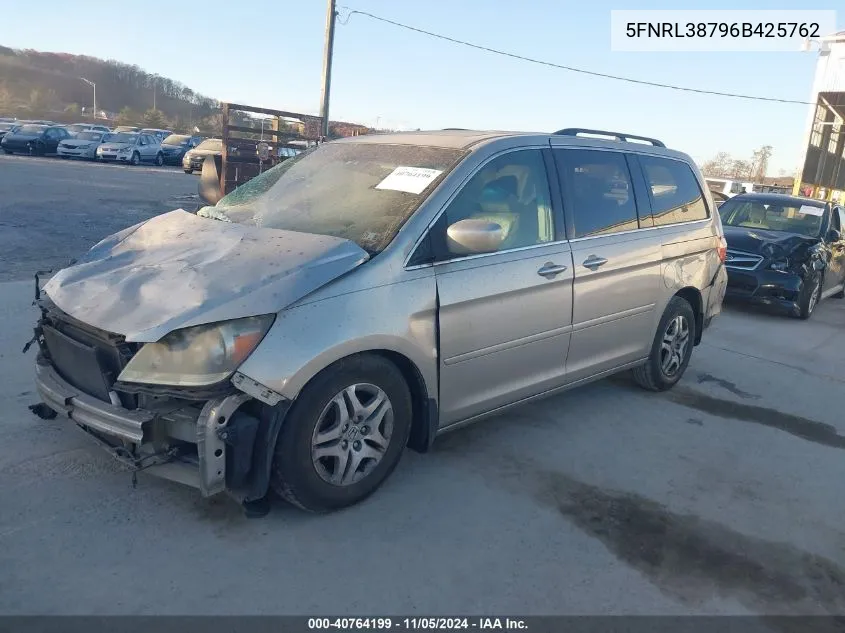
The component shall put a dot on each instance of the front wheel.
(671, 349)
(344, 434)
(809, 298)
(135, 160)
(188, 171)
(159, 159)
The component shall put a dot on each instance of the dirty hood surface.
(178, 270)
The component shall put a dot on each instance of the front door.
(835, 275)
(505, 316)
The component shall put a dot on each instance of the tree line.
(723, 165)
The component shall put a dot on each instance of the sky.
(270, 52)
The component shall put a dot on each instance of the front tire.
(135, 160)
(344, 434)
(671, 349)
(188, 171)
(810, 296)
(8, 151)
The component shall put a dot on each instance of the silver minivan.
(372, 293)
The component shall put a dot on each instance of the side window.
(835, 219)
(51, 134)
(674, 191)
(598, 194)
(512, 190)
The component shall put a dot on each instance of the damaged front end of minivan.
(140, 343)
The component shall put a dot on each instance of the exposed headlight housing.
(781, 264)
(197, 356)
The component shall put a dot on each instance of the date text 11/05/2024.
(766, 30)
(417, 623)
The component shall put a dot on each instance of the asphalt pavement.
(722, 496)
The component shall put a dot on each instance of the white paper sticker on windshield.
(409, 179)
(808, 210)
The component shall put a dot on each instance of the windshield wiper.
(213, 214)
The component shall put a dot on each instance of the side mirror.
(833, 235)
(209, 187)
(468, 237)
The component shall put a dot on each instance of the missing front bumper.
(218, 447)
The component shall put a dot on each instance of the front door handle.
(593, 262)
(550, 269)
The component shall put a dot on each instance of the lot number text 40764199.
(417, 623)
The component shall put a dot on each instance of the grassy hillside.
(35, 84)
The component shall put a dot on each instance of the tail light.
(723, 249)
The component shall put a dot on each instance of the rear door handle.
(593, 262)
(550, 269)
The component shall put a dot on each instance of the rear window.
(674, 191)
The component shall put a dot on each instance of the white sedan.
(83, 145)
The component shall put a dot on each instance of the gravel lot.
(722, 496)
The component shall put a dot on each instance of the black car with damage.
(784, 251)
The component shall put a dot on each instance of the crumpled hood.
(763, 242)
(178, 270)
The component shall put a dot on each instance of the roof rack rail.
(575, 131)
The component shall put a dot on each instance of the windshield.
(362, 192)
(32, 129)
(89, 136)
(789, 217)
(123, 137)
(212, 144)
(176, 139)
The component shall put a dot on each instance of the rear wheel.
(159, 159)
(810, 295)
(671, 349)
(188, 171)
(135, 160)
(344, 434)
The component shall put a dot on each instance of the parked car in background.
(126, 128)
(160, 134)
(75, 128)
(328, 313)
(132, 148)
(784, 251)
(6, 119)
(33, 139)
(192, 161)
(175, 146)
(6, 127)
(83, 145)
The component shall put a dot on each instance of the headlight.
(781, 264)
(197, 356)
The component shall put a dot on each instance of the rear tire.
(326, 458)
(671, 349)
(188, 171)
(159, 160)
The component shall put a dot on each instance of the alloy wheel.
(673, 348)
(352, 434)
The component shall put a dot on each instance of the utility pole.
(94, 86)
(327, 65)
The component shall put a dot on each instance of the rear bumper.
(716, 296)
(211, 446)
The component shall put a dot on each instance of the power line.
(563, 67)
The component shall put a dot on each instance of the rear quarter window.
(673, 190)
